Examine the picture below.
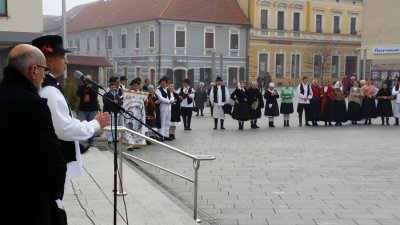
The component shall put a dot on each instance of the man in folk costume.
(186, 94)
(68, 129)
(305, 94)
(219, 96)
(166, 98)
(396, 101)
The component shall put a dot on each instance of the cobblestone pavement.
(346, 175)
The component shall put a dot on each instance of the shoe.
(148, 142)
(167, 139)
(132, 148)
(188, 128)
(197, 114)
(202, 114)
(307, 124)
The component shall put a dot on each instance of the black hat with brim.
(218, 79)
(163, 79)
(186, 81)
(50, 45)
(113, 79)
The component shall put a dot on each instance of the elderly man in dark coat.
(200, 98)
(33, 167)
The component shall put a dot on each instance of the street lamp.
(363, 55)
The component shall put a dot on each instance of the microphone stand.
(121, 110)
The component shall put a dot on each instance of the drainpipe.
(247, 54)
(159, 49)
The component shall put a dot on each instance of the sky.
(53, 7)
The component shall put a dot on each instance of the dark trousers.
(306, 108)
(186, 113)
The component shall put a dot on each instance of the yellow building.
(294, 38)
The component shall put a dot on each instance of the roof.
(116, 12)
(88, 61)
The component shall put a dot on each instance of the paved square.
(346, 175)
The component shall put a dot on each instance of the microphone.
(79, 75)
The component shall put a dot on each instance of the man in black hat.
(166, 98)
(186, 94)
(68, 129)
(219, 96)
(123, 82)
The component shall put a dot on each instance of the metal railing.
(196, 163)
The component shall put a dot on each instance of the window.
(279, 65)
(3, 7)
(234, 40)
(152, 36)
(180, 37)
(262, 63)
(122, 39)
(77, 45)
(281, 21)
(98, 43)
(138, 72)
(209, 38)
(353, 25)
(87, 44)
(336, 24)
(109, 40)
(317, 65)
(335, 66)
(70, 44)
(295, 67)
(264, 19)
(318, 24)
(137, 38)
(296, 21)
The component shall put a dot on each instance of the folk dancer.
(287, 95)
(328, 96)
(305, 94)
(256, 103)
(354, 106)
(219, 96)
(368, 107)
(166, 98)
(241, 107)
(396, 101)
(186, 95)
(384, 107)
(271, 104)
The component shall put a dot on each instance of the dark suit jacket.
(32, 167)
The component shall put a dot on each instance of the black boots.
(201, 112)
(286, 123)
(271, 124)
(397, 121)
(387, 121)
(222, 124)
(189, 120)
(241, 125)
(252, 124)
(215, 123)
(383, 121)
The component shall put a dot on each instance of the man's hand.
(103, 119)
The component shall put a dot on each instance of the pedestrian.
(354, 105)
(33, 168)
(339, 105)
(315, 103)
(175, 112)
(88, 103)
(186, 96)
(256, 103)
(305, 94)
(68, 129)
(271, 104)
(219, 96)
(396, 101)
(166, 98)
(287, 95)
(384, 107)
(200, 98)
(328, 96)
(241, 107)
(368, 107)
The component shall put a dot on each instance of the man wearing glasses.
(68, 129)
(33, 166)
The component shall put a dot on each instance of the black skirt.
(175, 113)
(241, 112)
(255, 113)
(354, 111)
(328, 114)
(287, 108)
(315, 110)
(384, 108)
(368, 108)
(339, 109)
(273, 111)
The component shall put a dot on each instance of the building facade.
(294, 38)
(16, 27)
(198, 45)
(380, 39)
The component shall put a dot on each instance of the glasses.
(46, 69)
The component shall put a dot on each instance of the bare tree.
(319, 57)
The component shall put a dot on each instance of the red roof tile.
(114, 12)
(88, 61)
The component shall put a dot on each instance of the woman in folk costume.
(287, 95)
(396, 101)
(219, 96)
(166, 98)
(384, 107)
(271, 105)
(339, 105)
(241, 108)
(354, 106)
(388, 81)
(151, 111)
(175, 112)
(368, 107)
(186, 96)
(315, 103)
(328, 96)
(256, 103)
(200, 98)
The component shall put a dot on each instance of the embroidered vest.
(189, 100)
(216, 93)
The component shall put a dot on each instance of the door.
(152, 76)
(179, 76)
(232, 77)
(351, 65)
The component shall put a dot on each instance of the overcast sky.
(53, 7)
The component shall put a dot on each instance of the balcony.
(270, 34)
